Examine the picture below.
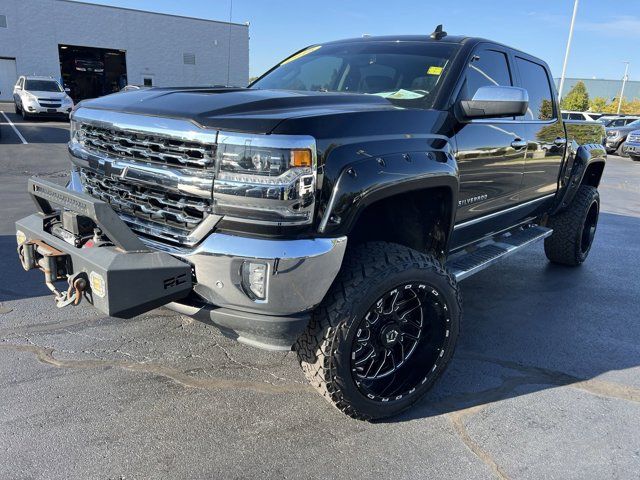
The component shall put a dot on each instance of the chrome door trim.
(474, 221)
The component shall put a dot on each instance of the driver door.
(490, 152)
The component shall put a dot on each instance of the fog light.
(254, 279)
(20, 237)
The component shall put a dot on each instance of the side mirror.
(496, 101)
(67, 89)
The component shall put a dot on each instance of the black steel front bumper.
(123, 278)
(203, 282)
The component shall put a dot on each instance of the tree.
(546, 110)
(598, 104)
(576, 99)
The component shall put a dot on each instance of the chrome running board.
(469, 262)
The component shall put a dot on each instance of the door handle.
(518, 144)
(560, 141)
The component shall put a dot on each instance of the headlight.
(30, 97)
(268, 179)
(67, 100)
(613, 133)
(73, 131)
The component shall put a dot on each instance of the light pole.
(624, 82)
(566, 53)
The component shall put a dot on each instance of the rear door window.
(535, 80)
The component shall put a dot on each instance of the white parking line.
(14, 128)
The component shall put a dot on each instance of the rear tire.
(574, 228)
(384, 333)
(620, 150)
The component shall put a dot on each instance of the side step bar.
(467, 263)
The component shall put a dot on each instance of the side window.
(573, 116)
(487, 67)
(536, 81)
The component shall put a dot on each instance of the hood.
(625, 128)
(39, 94)
(244, 110)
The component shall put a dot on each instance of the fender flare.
(574, 171)
(369, 180)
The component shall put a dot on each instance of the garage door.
(8, 77)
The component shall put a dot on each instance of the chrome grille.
(634, 138)
(50, 103)
(149, 210)
(146, 147)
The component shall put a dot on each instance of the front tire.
(16, 109)
(634, 158)
(384, 333)
(574, 228)
(25, 115)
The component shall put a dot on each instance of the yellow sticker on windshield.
(434, 71)
(301, 54)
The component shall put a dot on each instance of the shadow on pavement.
(35, 130)
(16, 283)
(530, 325)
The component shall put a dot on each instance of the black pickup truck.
(330, 207)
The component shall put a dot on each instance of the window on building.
(536, 81)
(147, 81)
(3, 21)
(189, 58)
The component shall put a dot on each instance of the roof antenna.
(438, 33)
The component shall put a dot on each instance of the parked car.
(89, 64)
(40, 96)
(331, 207)
(617, 135)
(620, 121)
(632, 145)
(129, 88)
(585, 116)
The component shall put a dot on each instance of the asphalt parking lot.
(545, 382)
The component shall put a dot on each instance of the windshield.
(42, 86)
(635, 123)
(406, 73)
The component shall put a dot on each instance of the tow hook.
(77, 286)
(55, 265)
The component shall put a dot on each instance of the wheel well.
(593, 174)
(419, 219)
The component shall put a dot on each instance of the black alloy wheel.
(399, 341)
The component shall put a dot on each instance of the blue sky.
(606, 34)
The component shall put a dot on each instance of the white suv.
(40, 96)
